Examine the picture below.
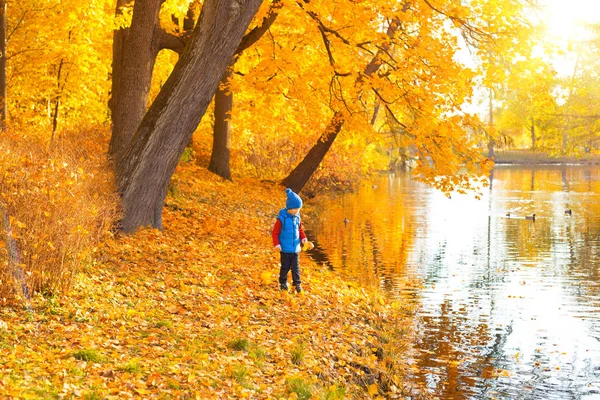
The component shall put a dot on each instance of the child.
(288, 235)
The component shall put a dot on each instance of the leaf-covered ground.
(194, 311)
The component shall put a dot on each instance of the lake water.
(507, 308)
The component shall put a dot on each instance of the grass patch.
(302, 389)
(239, 344)
(239, 374)
(76, 372)
(164, 324)
(52, 305)
(173, 384)
(335, 392)
(258, 354)
(46, 393)
(133, 367)
(89, 355)
(298, 354)
(93, 395)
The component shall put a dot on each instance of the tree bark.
(149, 162)
(119, 36)
(491, 144)
(134, 53)
(57, 103)
(2, 64)
(219, 159)
(491, 141)
(532, 130)
(298, 178)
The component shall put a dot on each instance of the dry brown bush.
(58, 203)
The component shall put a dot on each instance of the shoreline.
(528, 157)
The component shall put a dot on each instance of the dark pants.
(289, 260)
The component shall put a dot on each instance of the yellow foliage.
(288, 85)
(58, 56)
(266, 277)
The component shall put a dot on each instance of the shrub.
(58, 203)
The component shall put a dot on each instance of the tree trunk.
(567, 124)
(119, 36)
(219, 160)
(134, 53)
(221, 151)
(147, 166)
(57, 104)
(491, 148)
(2, 64)
(532, 129)
(491, 141)
(303, 171)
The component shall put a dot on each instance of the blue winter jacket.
(289, 237)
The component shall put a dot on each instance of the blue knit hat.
(293, 200)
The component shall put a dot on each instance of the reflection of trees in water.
(373, 245)
(462, 355)
(369, 235)
(380, 236)
(317, 253)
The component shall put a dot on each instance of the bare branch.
(17, 25)
(471, 34)
(387, 107)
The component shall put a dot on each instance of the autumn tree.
(136, 46)
(579, 121)
(411, 80)
(528, 100)
(150, 160)
(57, 67)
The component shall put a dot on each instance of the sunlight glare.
(567, 20)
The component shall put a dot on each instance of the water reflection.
(508, 308)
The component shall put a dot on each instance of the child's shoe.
(298, 288)
(283, 287)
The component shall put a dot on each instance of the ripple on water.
(506, 308)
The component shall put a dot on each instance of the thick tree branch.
(175, 42)
(256, 33)
(324, 30)
(170, 41)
